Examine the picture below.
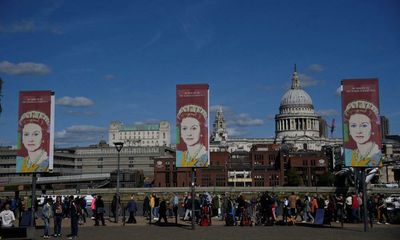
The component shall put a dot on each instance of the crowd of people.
(269, 209)
(266, 208)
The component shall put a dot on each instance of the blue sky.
(121, 60)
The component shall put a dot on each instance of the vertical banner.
(192, 121)
(35, 132)
(361, 123)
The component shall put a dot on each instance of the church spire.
(220, 133)
(295, 79)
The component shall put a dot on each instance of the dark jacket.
(132, 206)
(99, 205)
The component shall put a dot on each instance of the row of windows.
(139, 132)
(113, 151)
(7, 165)
(138, 137)
(21, 175)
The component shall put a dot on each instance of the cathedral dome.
(296, 97)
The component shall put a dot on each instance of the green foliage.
(293, 177)
(326, 179)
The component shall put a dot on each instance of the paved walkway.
(142, 230)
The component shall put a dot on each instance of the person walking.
(99, 211)
(114, 206)
(355, 208)
(162, 211)
(47, 213)
(307, 210)
(132, 208)
(349, 214)
(75, 211)
(152, 203)
(314, 205)
(339, 208)
(82, 203)
(175, 204)
(58, 216)
(382, 210)
(7, 217)
(146, 206)
(188, 206)
(93, 206)
(299, 209)
(292, 205)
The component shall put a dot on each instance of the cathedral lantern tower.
(296, 116)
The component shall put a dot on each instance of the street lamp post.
(118, 146)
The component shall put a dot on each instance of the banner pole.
(193, 198)
(33, 202)
(364, 184)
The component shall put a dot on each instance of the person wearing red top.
(355, 208)
(314, 205)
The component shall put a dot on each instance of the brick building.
(308, 165)
(265, 165)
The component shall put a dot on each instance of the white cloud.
(243, 119)
(80, 113)
(109, 77)
(74, 101)
(265, 88)
(147, 121)
(80, 134)
(271, 117)
(153, 40)
(339, 91)
(23, 27)
(393, 114)
(328, 112)
(307, 81)
(236, 124)
(214, 108)
(316, 68)
(25, 68)
(199, 30)
(235, 132)
(5, 142)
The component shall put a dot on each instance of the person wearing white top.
(7, 217)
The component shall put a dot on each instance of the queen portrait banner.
(192, 120)
(35, 132)
(361, 123)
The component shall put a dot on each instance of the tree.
(326, 179)
(293, 177)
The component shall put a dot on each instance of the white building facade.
(143, 135)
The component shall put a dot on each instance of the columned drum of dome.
(296, 113)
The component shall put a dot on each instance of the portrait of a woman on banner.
(34, 127)
(362, 134)
(193, 136)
